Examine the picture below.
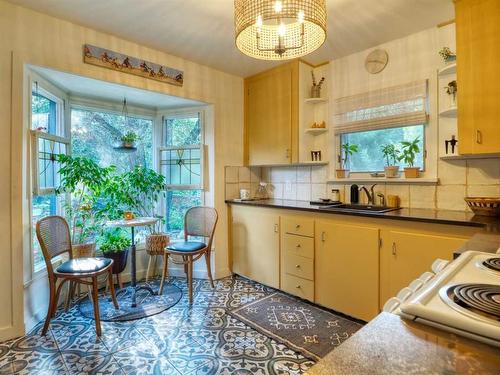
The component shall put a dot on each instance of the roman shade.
(390, 107)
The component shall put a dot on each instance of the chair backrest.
(200, 221)
(54, 238)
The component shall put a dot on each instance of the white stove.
(463, 298)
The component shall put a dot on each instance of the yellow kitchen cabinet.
(478, 78)
(406, 255)
(347, 268)
(271, 116)
(255, 244)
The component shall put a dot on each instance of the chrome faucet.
(370, 195)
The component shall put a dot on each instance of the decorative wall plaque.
(132, 65)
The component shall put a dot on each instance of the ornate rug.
(147, 304)
(305, 328)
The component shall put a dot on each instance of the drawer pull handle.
(323, 239)
(297, 226)
(394, 248)
(297, 266)
(298, 287)
(479, 137)
(276, 228)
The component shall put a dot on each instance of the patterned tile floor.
(197, 339)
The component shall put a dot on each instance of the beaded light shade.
(279, 29)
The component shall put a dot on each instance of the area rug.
(301, 326)
(147, 304)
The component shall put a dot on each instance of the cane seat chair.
(54, 238)
(199, 221)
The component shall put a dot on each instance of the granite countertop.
(390, 344)
(488, 224)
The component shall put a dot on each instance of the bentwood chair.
(54, 238)
(199, 222)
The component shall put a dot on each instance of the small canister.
(393, 201)
(335, 195)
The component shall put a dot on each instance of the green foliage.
(129, 137)
(84, 179)
(446, 54)
(347, 150)
(391, 154)
(409, 149)
(114, 240)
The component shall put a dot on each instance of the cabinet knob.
(297, 266)
(298, 287)
(479, 137)
(297, 226)
(298, 246)
(287, 153)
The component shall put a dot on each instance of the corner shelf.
(449, 112)
(315, 131)
(448, 69)
(316, 100)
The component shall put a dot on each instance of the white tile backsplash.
(303, 192)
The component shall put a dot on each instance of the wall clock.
(376, 61)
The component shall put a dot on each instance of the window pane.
(369, 158)
(43, 112)
(95, 134)
(42, 206)
(182, 130)
(181, 166)
(177, 202)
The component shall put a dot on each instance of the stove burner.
(493, 264)
(483, 299)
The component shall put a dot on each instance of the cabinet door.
(478, 66)
(405, 256)
(268, 113)
(347, 269)
(255, 244)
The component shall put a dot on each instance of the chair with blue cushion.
(54, 238)
(198, 222)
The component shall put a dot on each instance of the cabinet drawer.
(298, 245)
(299, 287)
(298, 266)
(299, 226)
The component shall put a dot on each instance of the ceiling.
(111, 92)
(203, 31)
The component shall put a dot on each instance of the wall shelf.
(316, 131)
(449, 112)
(448, 69)
(469, 157)
(374, 180)
(316, 100)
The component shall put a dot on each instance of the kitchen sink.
(359, 208)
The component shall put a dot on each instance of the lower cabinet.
(256, 244)
(406, 255)
(347, 268)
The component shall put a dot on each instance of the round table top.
(135, 222)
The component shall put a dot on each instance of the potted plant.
(346, 151)
(84, 180)
(409, 150)
(316, 86)
(391, 158)
(128, 140)
(451, 90)
(447, 55)
(114, 244)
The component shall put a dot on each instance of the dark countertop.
(488, 224)
(390, 344)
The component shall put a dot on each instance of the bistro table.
(132, 223)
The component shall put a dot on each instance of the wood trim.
(445, 23)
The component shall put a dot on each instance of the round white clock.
(376, 61)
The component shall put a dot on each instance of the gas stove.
(463, 298)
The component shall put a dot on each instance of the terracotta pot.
(83, 250)
(412, 172)
(119, 260)
(156, 243)
(128, 144)
(342, 173)
(391, 171)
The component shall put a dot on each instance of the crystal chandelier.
(279, 29)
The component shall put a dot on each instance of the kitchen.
(356, 179)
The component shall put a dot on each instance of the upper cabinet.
(478, 72)
(282, 123)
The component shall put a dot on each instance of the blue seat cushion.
(186, 246)
(83, 265)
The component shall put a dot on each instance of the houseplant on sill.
(346, 150)
(114, 244)
(84, 180)
(391, 158)
(409, 150)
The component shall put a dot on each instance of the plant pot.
(156, 243)
(119, 260)
(391, 171)
(412, 172)
(315, 92)
(342, 173)
(128, 144)
(83, 250)
(450, 59)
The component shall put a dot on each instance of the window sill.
(399, 180)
